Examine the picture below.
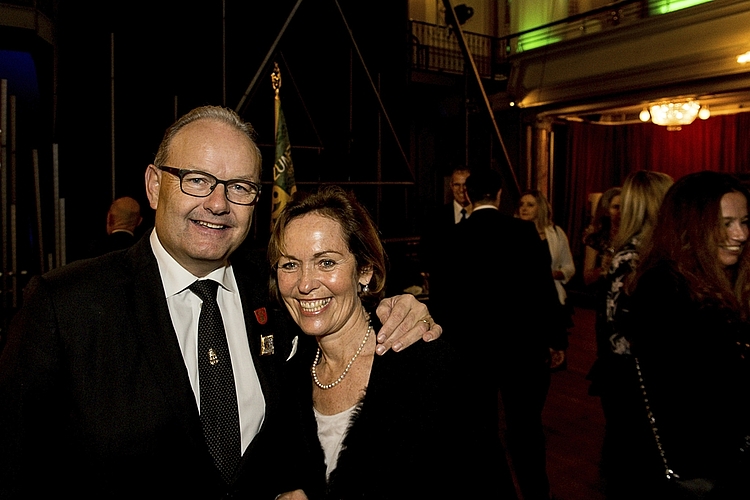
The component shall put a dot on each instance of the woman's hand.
(405, 321)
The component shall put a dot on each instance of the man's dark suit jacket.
(109, 243)
(497, 292)
(500, 310)
(436, 235)
(96, 400)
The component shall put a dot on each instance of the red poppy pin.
(261, 316)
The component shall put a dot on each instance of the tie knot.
(205, 289)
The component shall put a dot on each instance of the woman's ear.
(365, 275)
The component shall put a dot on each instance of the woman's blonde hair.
(640, 199)
(543, 217)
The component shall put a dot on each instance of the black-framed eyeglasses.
(202, 184)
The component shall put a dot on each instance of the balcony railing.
(436, 48)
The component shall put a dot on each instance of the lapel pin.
(261, 316)
(266, 345)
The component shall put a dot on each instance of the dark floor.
(573, 420)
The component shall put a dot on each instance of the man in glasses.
(102, 380)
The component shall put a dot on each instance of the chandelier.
(675, 114)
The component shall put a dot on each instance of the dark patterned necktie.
(219, 414)
(463, 215)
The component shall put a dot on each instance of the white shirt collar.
(176, 278)
(482, 207)
(457, 211)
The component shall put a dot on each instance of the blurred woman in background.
(599, 236)
(533, 206)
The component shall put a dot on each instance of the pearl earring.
(365, 288)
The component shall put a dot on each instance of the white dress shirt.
(457, 212)
(184, 309)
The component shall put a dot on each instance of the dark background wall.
(168, 58)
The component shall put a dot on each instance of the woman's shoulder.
(555, 231)
(421, 368)
(430, 354)
(661, 274)
(661, 287)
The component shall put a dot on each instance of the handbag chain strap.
(654, 429)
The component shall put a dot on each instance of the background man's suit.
(500, 309)
(106, 402)
(437, 233)
(118, 240)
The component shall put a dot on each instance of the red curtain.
(599, 157)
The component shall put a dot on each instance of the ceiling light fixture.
(744, 58)
(675, 114)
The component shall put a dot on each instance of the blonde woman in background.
(613, 374)
(534, 207)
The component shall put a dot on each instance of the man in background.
(501, 312)
(123, 219)
(440, 227)
(460, 208)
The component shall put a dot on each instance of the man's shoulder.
(495, 226)
(491, 216)
(95, 269)
(97, 275)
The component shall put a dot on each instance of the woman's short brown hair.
(357, 228)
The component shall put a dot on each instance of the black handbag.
(677, 488)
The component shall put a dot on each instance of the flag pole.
(284, 185)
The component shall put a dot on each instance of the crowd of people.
(178, 365)
(667, 266)
(672, 367)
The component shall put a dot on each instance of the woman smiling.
(411, 411)
(691, 336)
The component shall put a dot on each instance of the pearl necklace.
(348, 366)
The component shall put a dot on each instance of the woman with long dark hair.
(691, 338)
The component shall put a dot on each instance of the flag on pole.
(283, 169)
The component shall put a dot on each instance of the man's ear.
(153, 180)
(110, 222)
